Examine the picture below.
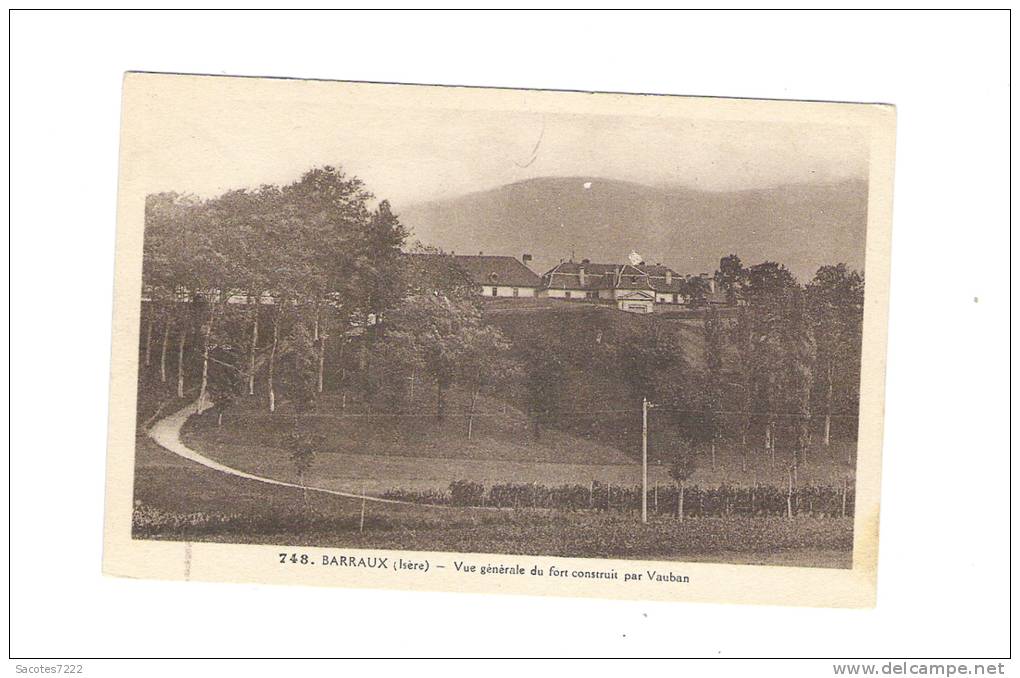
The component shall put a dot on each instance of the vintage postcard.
(494, 340)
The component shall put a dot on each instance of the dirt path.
(167, 434)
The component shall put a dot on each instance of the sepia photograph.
(504, 322)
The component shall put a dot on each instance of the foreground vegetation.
(182, 501)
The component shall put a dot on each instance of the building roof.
(567, 276)
(487, 269)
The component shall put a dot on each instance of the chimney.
(669, 277)
(480, 253)
(525, 257)
(581, 276)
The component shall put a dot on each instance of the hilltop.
(800, 225)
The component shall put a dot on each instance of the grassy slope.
(180, 500)
(410, 450)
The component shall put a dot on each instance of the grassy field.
(414, 451)
(180, 500)
(177, 499)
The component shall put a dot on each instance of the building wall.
(611, 294)
(562, 294)
(507, 291)
(636, 305)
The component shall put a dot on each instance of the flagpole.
(644, 460)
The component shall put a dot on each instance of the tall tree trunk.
(744, 428)
(254, 346)
(440, 400)
(166, 344)
(148, 342)
(843, 510)
(828, 408)
(770, 443)
(272, 361)
(203, 391)
(180, 361)
(789, 495)
(680, 503)
(322, 362)
(318, 340)
(363, 352)
(471, 410)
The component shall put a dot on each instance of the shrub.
(466, 493)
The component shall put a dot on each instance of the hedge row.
(816, 500)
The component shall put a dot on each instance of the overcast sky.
(217, 141)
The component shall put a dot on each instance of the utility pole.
(644, 460)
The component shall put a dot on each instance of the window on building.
(517, 292)
(494, 290)
(591, 294)
(566, 294)
(676, 299)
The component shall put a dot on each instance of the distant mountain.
(802, 225)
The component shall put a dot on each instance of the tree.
(836, 307)
(225, 381)
(244, 221)
(448, 338)
(484, 362)
(544, 376)
(298, 366)
(384, 237)
(731, 277)
(797, 375)
(393, 365)
(712, 391)
(681, 469)
(649, 360)
(351, 253)
(428, 271)
(171, 240)
(766, 292)
(303, 449)
(312, 251)
(697, 291)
